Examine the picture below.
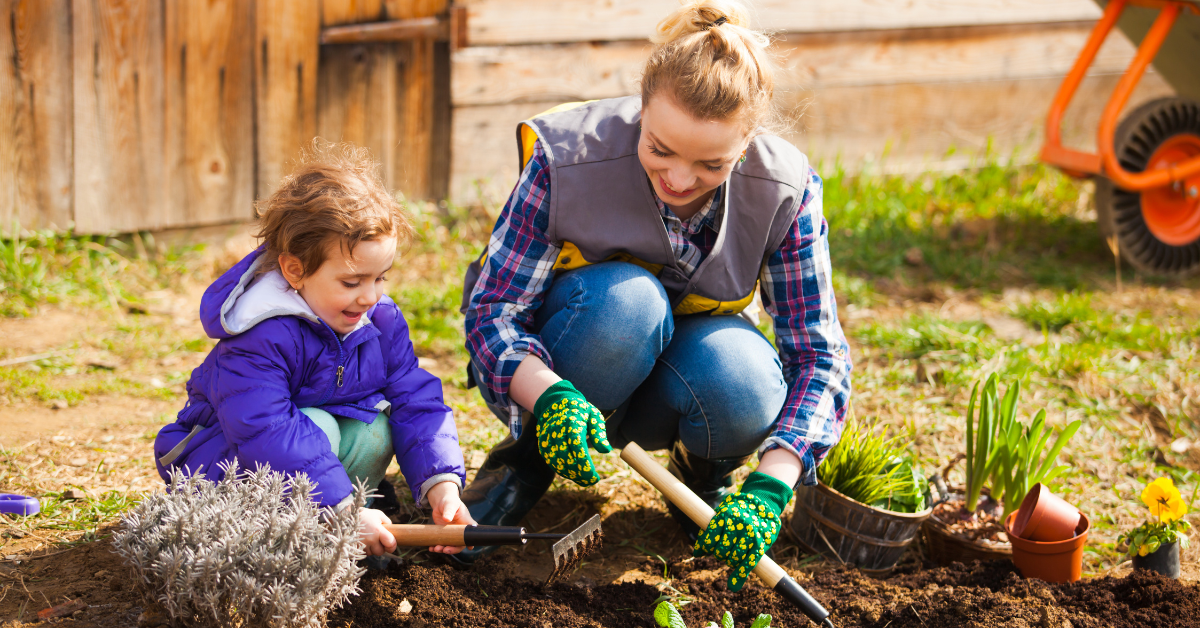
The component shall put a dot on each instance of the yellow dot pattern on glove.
(740, 532)
(565, 430)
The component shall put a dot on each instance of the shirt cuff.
(801, 448)
(434, 481)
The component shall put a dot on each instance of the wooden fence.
(896, 83)
(122, 115)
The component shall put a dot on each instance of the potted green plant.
(868, 504)
(1155, 544)
(1004, 459)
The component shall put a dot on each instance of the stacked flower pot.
(1048, 536)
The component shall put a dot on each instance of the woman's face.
(686, 158)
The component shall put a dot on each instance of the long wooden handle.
(414, 535)
(688, 502)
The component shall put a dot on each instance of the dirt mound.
(490, 596)
(960, 596)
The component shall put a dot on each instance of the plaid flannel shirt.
(797, 293)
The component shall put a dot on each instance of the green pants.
(364, 449)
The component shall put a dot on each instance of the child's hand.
(377, 539)
(448, 509)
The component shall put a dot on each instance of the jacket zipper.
(341, 369)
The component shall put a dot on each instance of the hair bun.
(700, 15)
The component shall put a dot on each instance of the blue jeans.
(714, 382)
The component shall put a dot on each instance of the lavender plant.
(252, 550)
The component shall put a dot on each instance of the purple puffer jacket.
(274, 356)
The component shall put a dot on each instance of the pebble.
(107, 438)
(14, 533)
(157, 383)
(405, 607)
(59, 404)
(74, 493)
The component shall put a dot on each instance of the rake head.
(571, 549)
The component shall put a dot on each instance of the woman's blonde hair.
(334, 195)
(712, 63)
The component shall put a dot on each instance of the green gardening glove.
(567, 426)
(745, 526)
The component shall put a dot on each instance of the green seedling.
(1000, 448)
(872, 469)
(666, 616)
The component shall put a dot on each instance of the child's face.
(344, 287)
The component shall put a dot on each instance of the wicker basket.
(944, 547)
(872, 539)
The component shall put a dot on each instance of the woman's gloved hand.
(744, 526)
(567, 426)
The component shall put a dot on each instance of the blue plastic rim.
(13, 504)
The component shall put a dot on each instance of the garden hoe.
(771, 574)
(569, 549)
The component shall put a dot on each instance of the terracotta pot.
(1165, 561)
(1045, 517)
(1058, 561)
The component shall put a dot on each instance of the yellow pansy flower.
(1164, 501)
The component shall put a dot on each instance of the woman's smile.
(672, 192)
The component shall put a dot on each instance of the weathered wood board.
(209, 112)
(499, 22)
(286, 54)
(492, 75)
(35, 112)
(120, 175)
(357, 100)
(903, 127)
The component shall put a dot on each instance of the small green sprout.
(666, 616)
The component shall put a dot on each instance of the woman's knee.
(736, 382)
(618, 310)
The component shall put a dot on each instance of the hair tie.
(719, 21)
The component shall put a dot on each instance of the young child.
(314, 371)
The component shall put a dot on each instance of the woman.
(606, 303)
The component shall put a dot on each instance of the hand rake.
(569, 549)
(770, 573)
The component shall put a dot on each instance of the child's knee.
(328, 424)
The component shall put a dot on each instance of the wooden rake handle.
(415, 535)
(767, 570)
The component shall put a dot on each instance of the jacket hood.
(241, 298)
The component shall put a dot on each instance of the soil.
(499, 592)
(978, 595)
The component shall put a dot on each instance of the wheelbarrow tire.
(1146, 130)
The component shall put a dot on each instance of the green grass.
(985, 228)
(44, 267)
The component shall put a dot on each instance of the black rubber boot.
(711, 480)
(508, 485)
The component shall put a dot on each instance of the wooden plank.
(415, 124)
(914, 124)
(334, 12)
(583, 71)
(35, 114)
(209, 111)
(499, 22)
(286, 59)
(408, 9)
(389, 31)
(119, 173)
(357, 100)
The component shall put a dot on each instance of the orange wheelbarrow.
(1148, 167)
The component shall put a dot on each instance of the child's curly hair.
(334, 194)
